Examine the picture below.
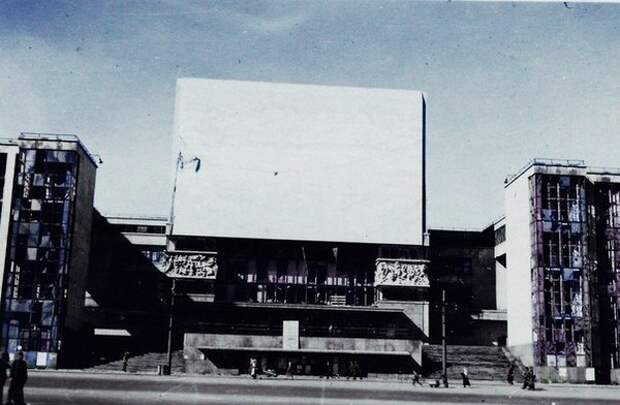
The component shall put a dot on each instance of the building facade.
(462, 264)
(127, 296)
(561, 238)
(47, 204)
(298, 228)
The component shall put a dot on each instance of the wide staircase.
(146, 363)
(482, 362)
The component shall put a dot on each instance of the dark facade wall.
(121, 277)
(126, 292)
(80, 242)
(75, 330)
(462, 263)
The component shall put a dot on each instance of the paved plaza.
(84, 388)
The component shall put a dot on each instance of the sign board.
(41, 359)
(563, 372)
(590, 374)
(581, 360)
(290, 335)
(192, 265)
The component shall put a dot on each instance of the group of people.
(353, 370)
(18, 372)
(443, 379)
(529, 378)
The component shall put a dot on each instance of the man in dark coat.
(19, 376)
(511, 375)
(5, 366)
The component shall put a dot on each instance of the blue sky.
(505, 82)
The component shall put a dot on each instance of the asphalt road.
(118, 389)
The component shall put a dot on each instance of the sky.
(504, 82)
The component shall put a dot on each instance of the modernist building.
(127, 296)
(562, 232)
(46, 195)
(298, 227)
(462, 264)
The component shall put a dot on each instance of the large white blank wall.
(299, 162)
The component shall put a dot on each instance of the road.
(126, 389)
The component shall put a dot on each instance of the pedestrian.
(357, 371)
(510, 378)
(529, 379)
(465, 376)
(416, 379)
(526, 378)
(5, 367)
(328, 370)
(532, 386)
(289, 369)
(19, 376)
(125, 361)
(253, 367)
(350, 369)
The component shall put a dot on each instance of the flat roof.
(51, 137)
(135, 217)
(567, 164)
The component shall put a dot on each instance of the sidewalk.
(426, 382)
(479, 387)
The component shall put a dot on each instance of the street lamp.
(190, 265)
(170, 326)
(444, 352)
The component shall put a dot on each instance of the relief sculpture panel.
(407, 273)
(189, 265)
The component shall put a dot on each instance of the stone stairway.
(146, 363)
(482, 362)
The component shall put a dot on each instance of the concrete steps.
(482, 362)
(146, 363)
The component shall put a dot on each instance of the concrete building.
(462, 263)
(562, 232)
(48, 184)
(127, 296)
(298, 227)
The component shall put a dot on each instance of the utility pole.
(171, 324)
(444, 355)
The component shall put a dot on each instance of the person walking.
(328, 370)
(510, 378)
(357, 370)
(19, 376)
(532, 385)
(5, 367)
(289, 369)
(253, 368)
(416, 379)
(465, 375)
(526, 378)
(529, 379)
(125, 361)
